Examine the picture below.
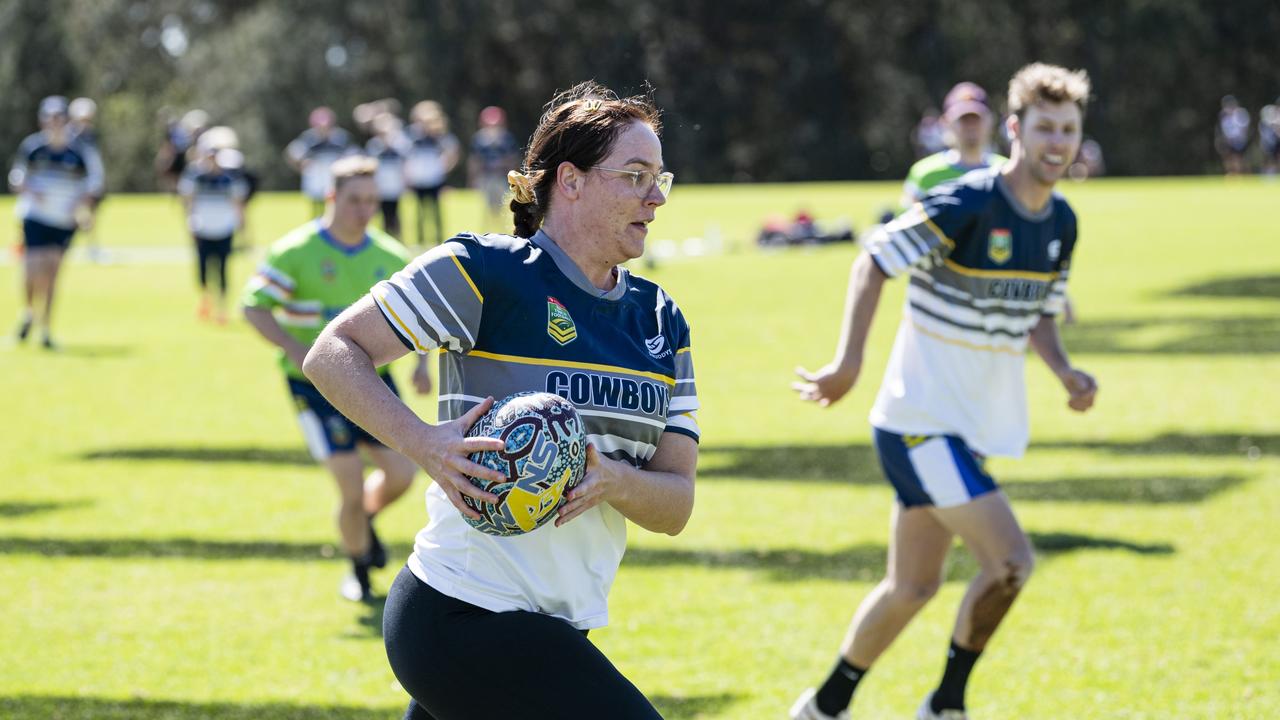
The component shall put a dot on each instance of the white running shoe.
(806, 708)
(926, 712)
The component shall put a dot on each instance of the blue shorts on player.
(938, 470)
(36, 234)
(328, 431)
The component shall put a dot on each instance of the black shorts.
(213, 247)
(38, 235)
(462, 662)
(328, 431)
(428, 192)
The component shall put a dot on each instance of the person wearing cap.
(315, 150)
(494, 152)
(967, 123)
(433, 153)
(54, 175)
(213, 193)
(83, 112)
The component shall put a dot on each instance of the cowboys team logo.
(1000, 246)
(559, 324)
(1055, 249)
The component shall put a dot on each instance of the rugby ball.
(544, 458)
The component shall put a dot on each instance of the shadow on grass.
(160, 548)
(95, 351)
(858, 464)
(691, 706)
(864, 562)
(1189, 335)
(19, 508)
(1139, 491)
(39, 707)
(235, 454)
(369, 624)
(1245, 286)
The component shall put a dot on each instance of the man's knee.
(914, 593)
(1017, 569)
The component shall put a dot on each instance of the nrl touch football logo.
(559, 323)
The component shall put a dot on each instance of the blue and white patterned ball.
(544, 458)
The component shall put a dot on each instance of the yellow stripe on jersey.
(1019, 274)
(571, 364)
(466, 277)
(962, 343)
(684, 349)
(382, 300)
(935, 229)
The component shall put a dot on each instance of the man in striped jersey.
(987, 260)
(309, 277)
(55, 176)
(479, 626)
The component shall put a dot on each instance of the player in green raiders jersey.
(310, 276)
(968, 122)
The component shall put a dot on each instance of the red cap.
(965, 98)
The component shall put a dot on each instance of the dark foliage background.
(754, 90)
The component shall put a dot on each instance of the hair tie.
(521, 187)
(592, 105)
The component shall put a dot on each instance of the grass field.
(166, 547)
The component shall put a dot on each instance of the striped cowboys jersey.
(939, 168)
(317, 154)
(425, 157)
(55, 180)
(983, 270)
(214, 197)
(511, 314)
(390, 174)
(308, 278)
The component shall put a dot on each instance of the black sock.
(377, 551)
(360, 568)
(950, 692)
(837, 692)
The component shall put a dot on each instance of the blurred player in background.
(987, 258)
(309, 277)
(1231, 137)
(55, 177)
(966, 123)
(388, 146)
(314, 151)
(432, 154)
(1269, 138)
(213, 192)
(494, 152)
(83, 113)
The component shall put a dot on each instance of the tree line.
(753, 90)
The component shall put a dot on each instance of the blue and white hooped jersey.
(983, 270)
(317, 154)
(215, 199)
(55, 180)
(509, 315)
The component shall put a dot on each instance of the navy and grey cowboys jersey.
(983, 271)
(511, 315)
(55, 180)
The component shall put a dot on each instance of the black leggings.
(462, 662)
(391, 217)
(213, 253)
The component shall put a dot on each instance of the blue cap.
(53, 105)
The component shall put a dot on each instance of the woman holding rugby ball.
(479, 626)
